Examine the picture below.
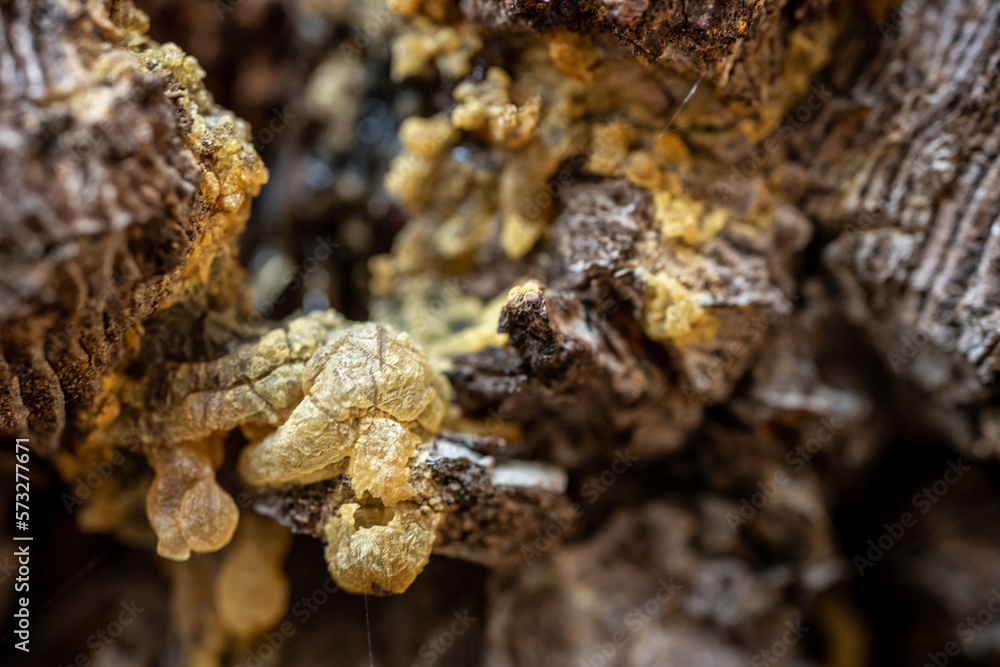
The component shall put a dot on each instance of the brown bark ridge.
(908, 174)
(122, 187)
(739, 45)
(580, 371)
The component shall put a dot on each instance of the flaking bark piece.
(633, 334)
(561, 371)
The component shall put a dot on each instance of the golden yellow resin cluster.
(368, 398)
(491, 169)
(318, 397)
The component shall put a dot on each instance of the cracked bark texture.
(123, 187)
(740, 46)
(907, 176)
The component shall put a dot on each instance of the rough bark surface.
(738, 45)
(113, 195)
(492, 508)
(578, 369)
(701, 341)
(908, 174)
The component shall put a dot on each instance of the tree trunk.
(686, 335)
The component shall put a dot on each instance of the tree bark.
(123, 187)
(665, 327)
